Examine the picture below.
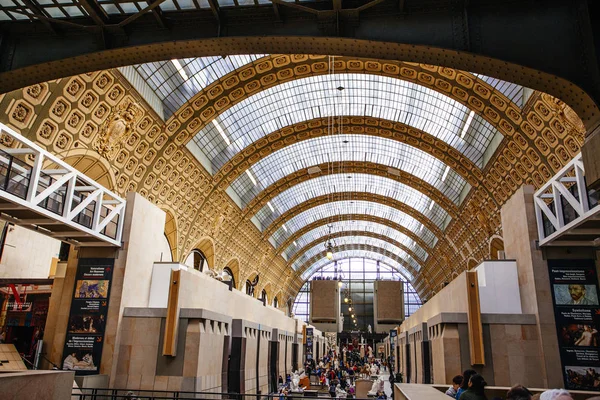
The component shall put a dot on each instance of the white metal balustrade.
(567, 214)
(39, 191)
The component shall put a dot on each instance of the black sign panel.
(87, 319)
(393, 335)
(309, 344)
(574, 287)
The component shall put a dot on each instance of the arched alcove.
(496, 246)
(171, 232)
(206, 248)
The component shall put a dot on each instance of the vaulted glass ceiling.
(359, 254)
(175, 82)
(333, 209)
(348, 241)
(354, 226)
(363, 95)
(344, 183)
(335, 148)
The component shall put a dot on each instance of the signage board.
(87, 320)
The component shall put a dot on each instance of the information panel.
(87, 319)
(574, 287)
(393, 335)
(309, 344)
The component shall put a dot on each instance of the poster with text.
(87, 319)
(309, 343)
(574, 288)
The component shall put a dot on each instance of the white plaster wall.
(198, 290)
(143, 233)
(165, 250)
(499, 287)
(452, 298)
(27, 254)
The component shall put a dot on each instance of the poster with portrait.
(574, 288)
(87, 319)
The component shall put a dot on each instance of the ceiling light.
(270, 206)
(340, 284)
(284, 227)
(221, 132)
(251, 177)
(329, 249)
(431, 205)
(180, 69)
(445, 173)
(345, 299)
(353, 316)
(467, 124)
(349, 308)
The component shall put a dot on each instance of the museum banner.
(87, 318)
(309, 344)
(574, 287)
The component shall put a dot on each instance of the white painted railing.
(567, 185)
(32, 179)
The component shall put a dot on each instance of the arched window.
(228, 271)
(196, 260)
(249, 288)
(263, 295)
(275, 302)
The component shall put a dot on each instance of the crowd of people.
(471, 386)
(338, 375)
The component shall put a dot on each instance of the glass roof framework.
(342, 255)
(363, 95)
(345, 183)
(337, 208)
(175, 87)
(361, 226)
(359, 276)
(363, 148)
(361, 240)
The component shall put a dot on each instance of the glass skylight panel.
(352, 226)
(364, 95)
(329, 212)
(348, 242)
(332, 148)
(358, 254)
(513, 91)
(170, 86)
(343, 183)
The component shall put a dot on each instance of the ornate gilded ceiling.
(408, 163)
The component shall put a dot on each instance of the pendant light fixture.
(329, 245)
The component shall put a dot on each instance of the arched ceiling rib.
(367, 220)
(409, 247)
(359, 228)
(331, 152)
(339, 184)
(362, 95)
(355, 250)
(176, 81)
(350, 168)
(331, 208)
(345, 241)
